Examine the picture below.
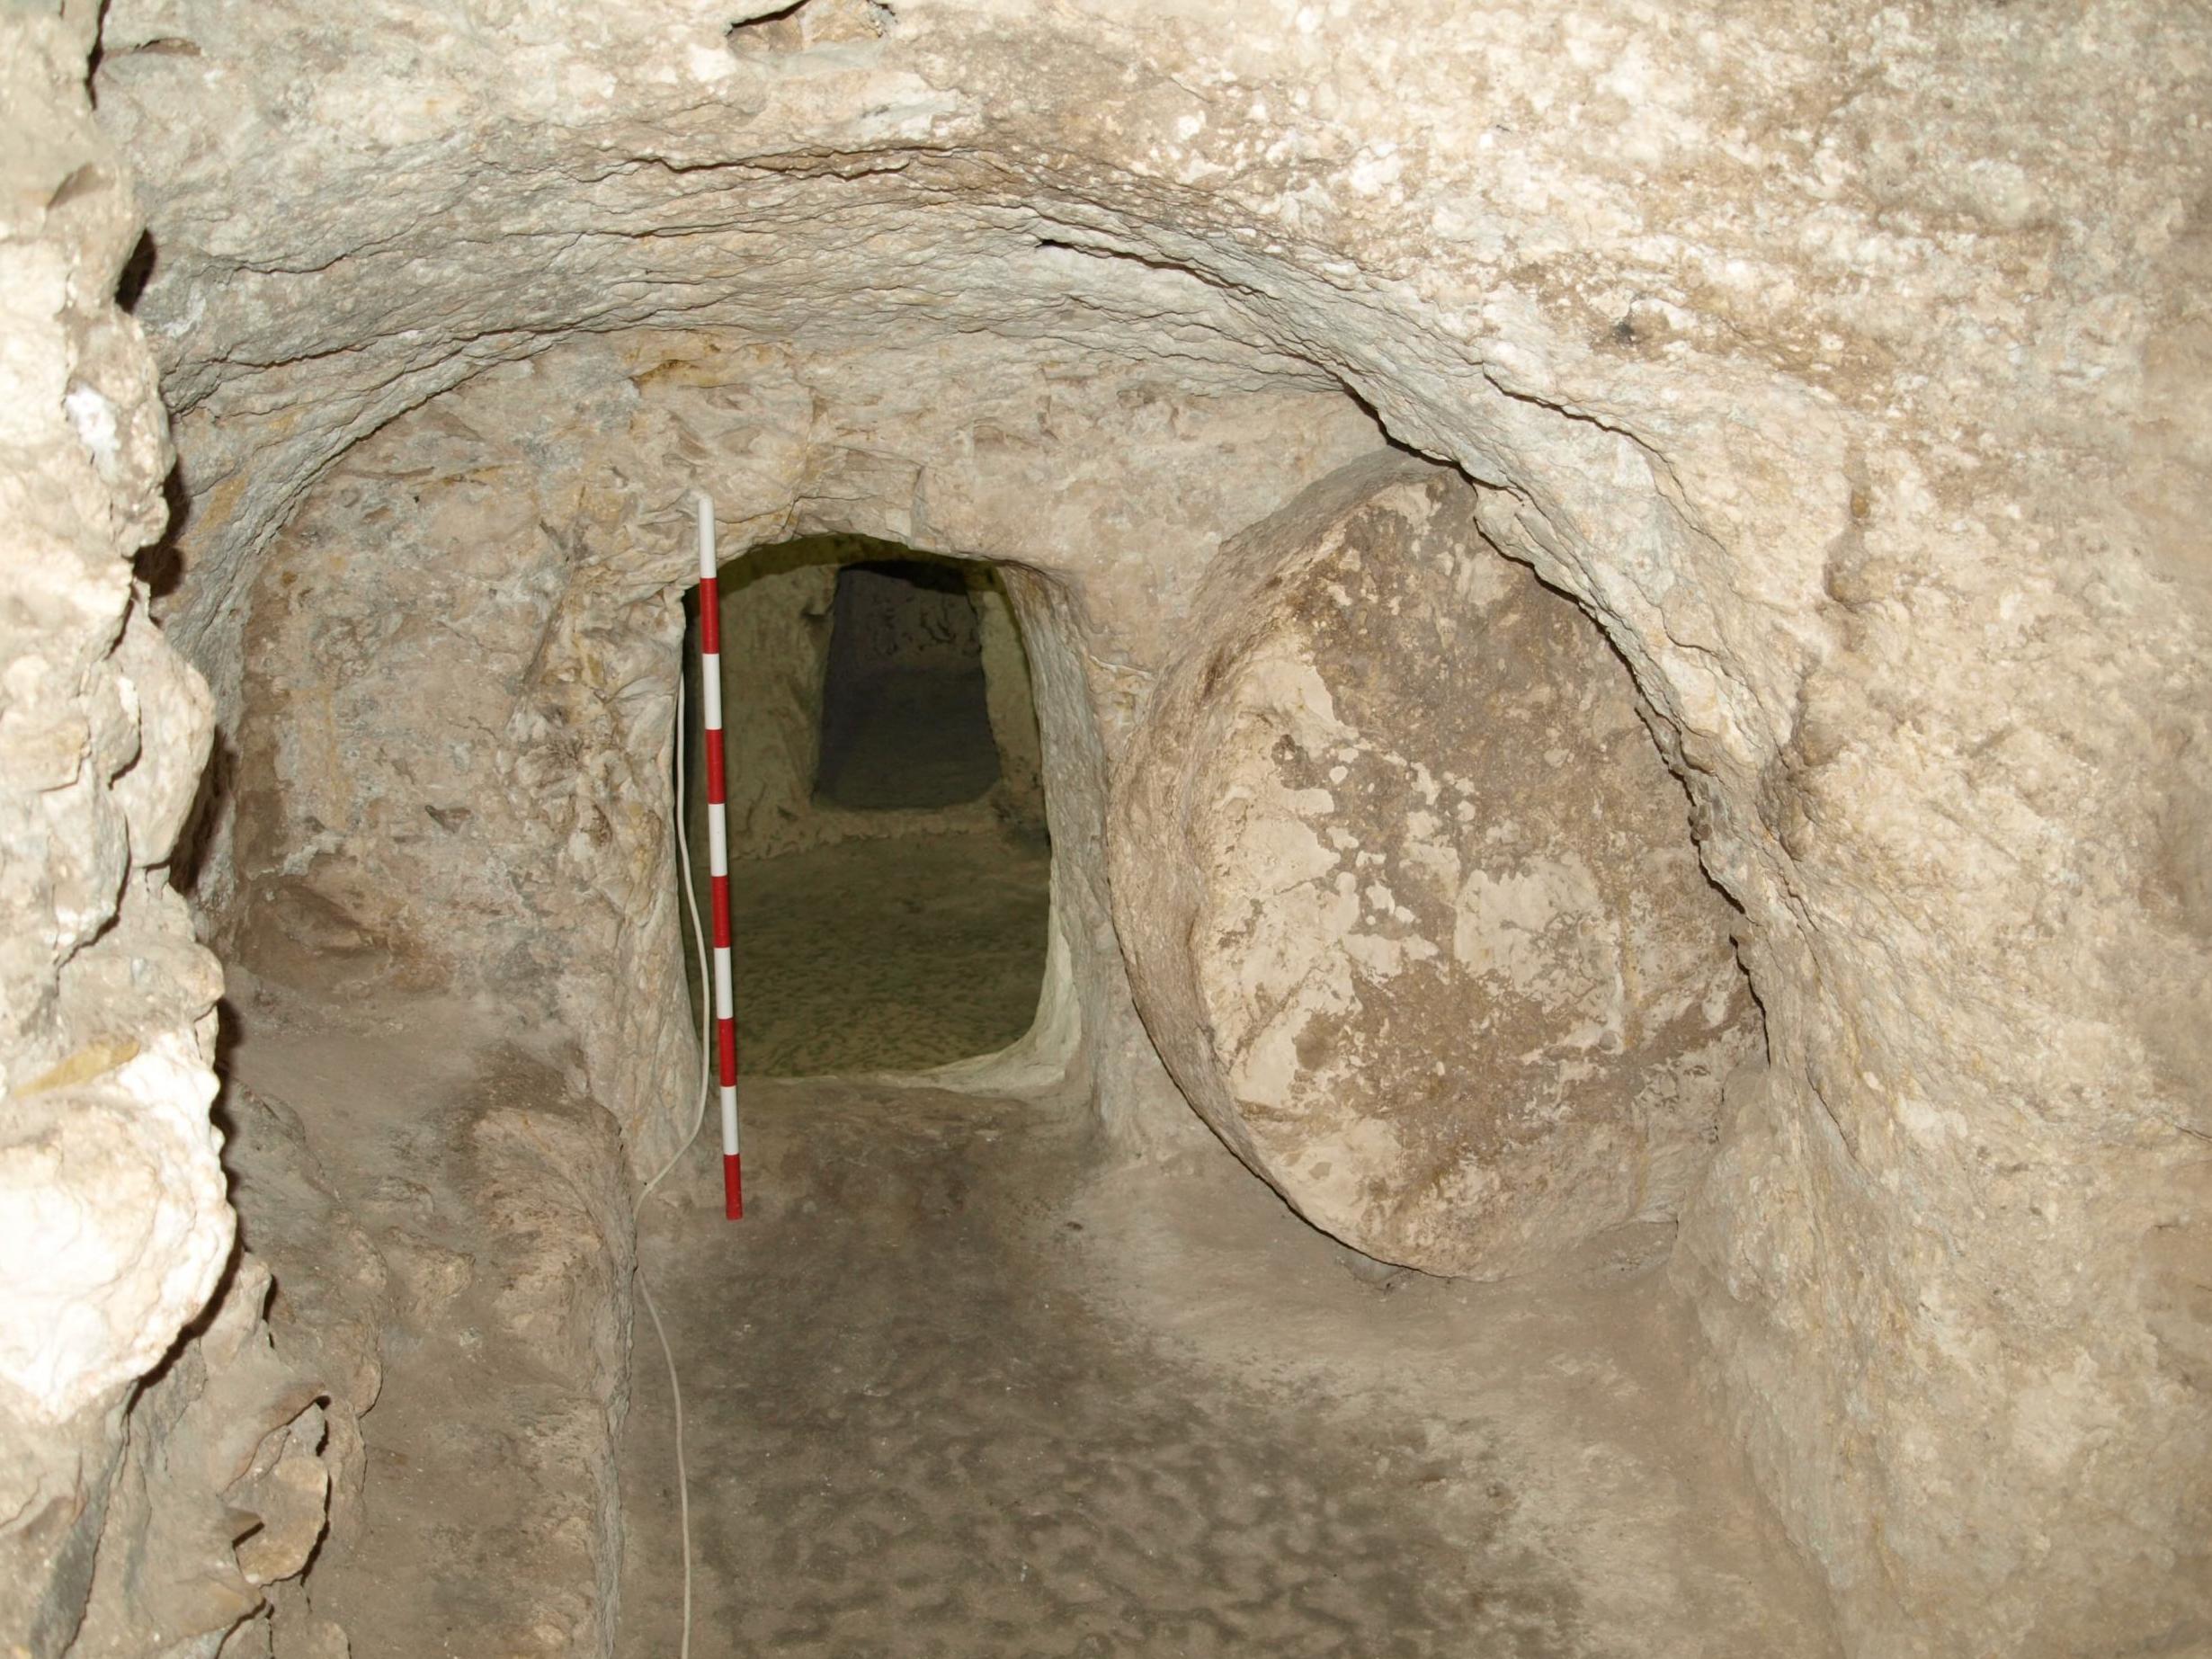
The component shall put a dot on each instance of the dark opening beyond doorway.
(906, 710)
(889, 864)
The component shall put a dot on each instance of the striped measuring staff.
(718, 856)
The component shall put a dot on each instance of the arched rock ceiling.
(1844, 361)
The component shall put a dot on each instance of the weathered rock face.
(114, 1230)
(174, 1439)
(1410, 897)
(775, 636)
(1013, 707)
(462, 652)
(115, 1224)
(1845, 361)
(244, 1455)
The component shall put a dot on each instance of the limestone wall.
(458, 720)
(152, 1415)
(775, 634)
(1844, 363)
(1012, 706)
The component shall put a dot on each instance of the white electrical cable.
(706, 1049)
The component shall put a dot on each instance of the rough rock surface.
(1846, 362)
(476, 1510)
(244, 1455)
(118, 1503)
(116, 1229)
(181, 1384)
(1021, 788)
(1410, 897)
(456, 733)
(775, 636)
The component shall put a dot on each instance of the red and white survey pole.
(717, 855)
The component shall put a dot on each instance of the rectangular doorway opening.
(889, 862)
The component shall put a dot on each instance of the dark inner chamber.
(906, 717)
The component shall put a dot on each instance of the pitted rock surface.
(1411, 895)
(1845, 361)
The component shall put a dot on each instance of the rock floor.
(887, 955)
(485, 1523)
(964, 1384)
(957, 1388)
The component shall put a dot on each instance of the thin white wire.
(706, 1047)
